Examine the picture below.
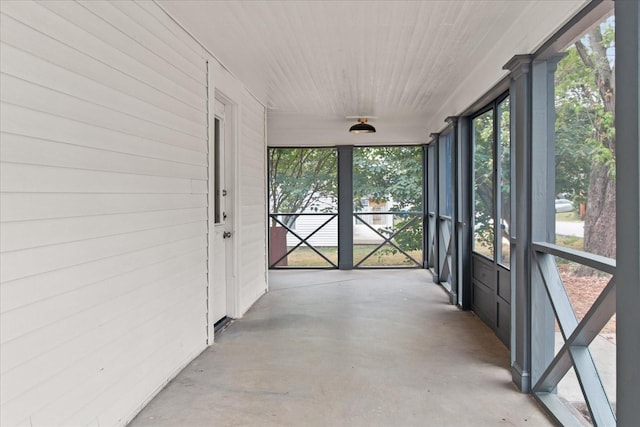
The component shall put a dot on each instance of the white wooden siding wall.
(103, 209)
(305, 225)
(252, 200)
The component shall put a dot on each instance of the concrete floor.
(358, 348)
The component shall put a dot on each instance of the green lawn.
(573, 242)
(568, 216)
(305, 257)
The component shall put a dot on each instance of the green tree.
(305, 179)
(392, 174)
(585, 142)
(388, 174)
(300, 179)
(483, 176)
(491, 132)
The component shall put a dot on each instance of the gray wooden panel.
(503, 322)
(483, 303)
(504, 284)
(484, 271)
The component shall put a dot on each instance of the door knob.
(226, 234)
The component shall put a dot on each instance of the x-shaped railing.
(445, 248)
(577, 335)
(388, 239)
(305, 239)
(431, 242)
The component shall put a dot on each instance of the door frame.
(231, 123)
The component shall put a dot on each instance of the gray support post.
(628, 210)
(542, 207)
(425, 209)
(455, 281)
(520, 92)
(464, 210)
(434, 157)
(345, 207)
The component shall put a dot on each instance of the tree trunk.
(600, 217)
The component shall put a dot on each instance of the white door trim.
(231, 139)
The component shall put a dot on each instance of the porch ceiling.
(408, 63)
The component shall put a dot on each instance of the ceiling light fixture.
(362, 127)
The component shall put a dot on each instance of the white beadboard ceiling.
(410, 64)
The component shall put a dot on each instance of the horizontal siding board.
(32, 234)
(22, 37)
(199, 186)
(19, 121)
(35, 178)
(34, 151)
(145, 377)
(30, 290)
(16, 381)
(103, 193)
(57, 398)
(25, 263)
(41, 72)
(38, 206)
(142, 42)
(133, 385)
(151, 17)
(22, 93)
(67, 32)
(103, 322)
(146, 362)
(252, 201)
(306, 225)
(131, 40)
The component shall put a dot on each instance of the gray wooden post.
(542, 207)
(425, 207)
(345, 207)
(464, 208)
(520, 104)
(628, 210)
(455, 249)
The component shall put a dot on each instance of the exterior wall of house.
(103, 274)
(252, 230)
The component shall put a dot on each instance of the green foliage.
(489, 135)
(383, 174)
(391, 174)
(300, 179)
(304, 179)
(585, 131)
(483, 176)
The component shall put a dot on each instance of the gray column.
(628, 211)
(455, 279)
(542, 207)
(520, 93)
(464, 209)
(425, 208)
(345, 207)
(434, 198)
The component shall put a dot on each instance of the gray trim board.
(628, 210)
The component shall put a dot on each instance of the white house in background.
(327, 236)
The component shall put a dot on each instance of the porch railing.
(414, 218)
(577, 335)
(276, 218)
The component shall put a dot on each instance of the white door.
(222, 215)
